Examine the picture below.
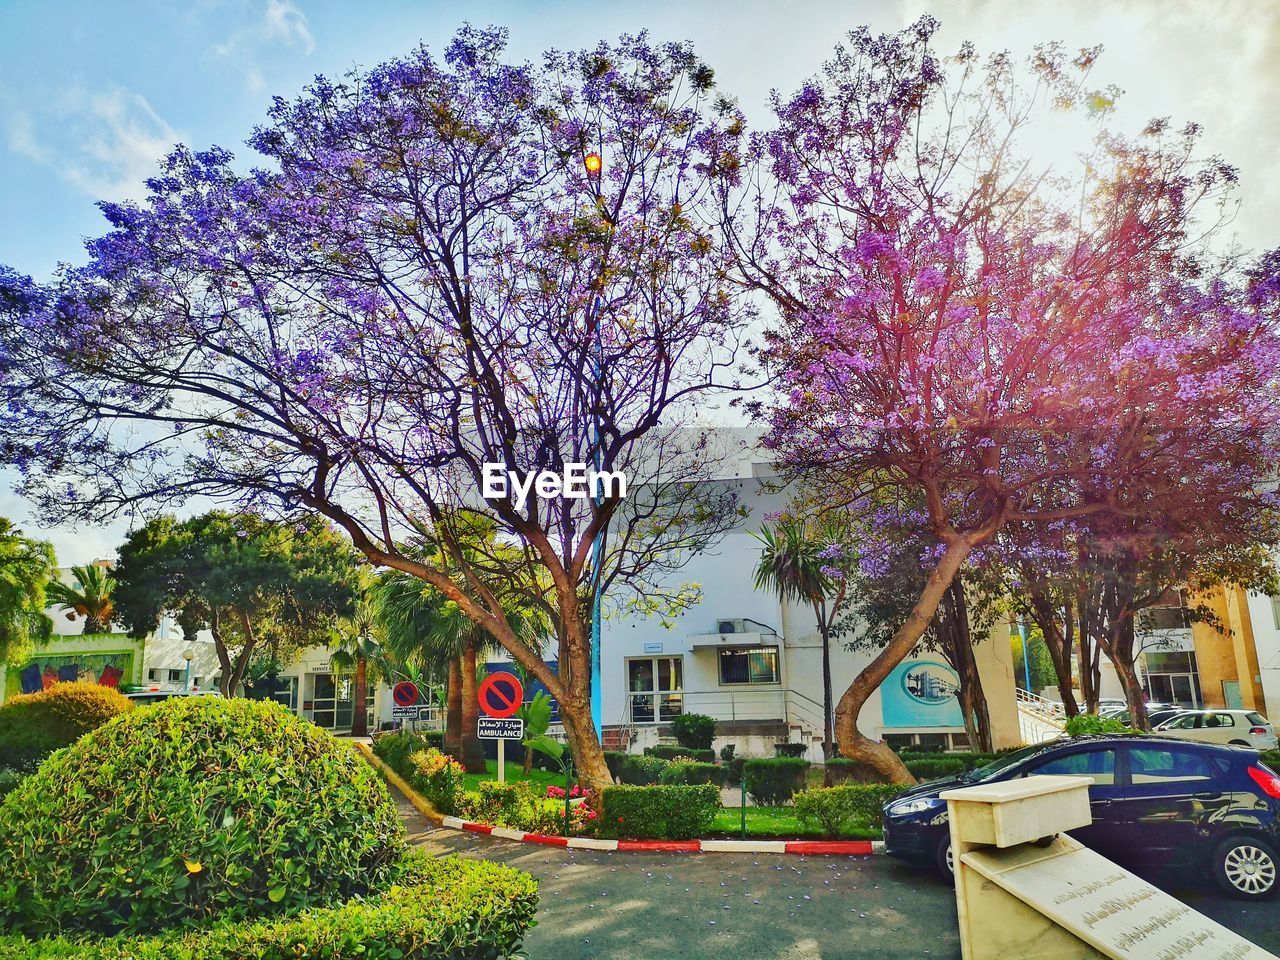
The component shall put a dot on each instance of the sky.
(92, 93)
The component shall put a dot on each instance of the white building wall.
(1265, 617)
(725, 574)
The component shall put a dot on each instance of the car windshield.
(1001, 764)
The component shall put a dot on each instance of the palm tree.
(358, 650)
(91, 597)
(26, 568)
(795, 564)
(422, 625)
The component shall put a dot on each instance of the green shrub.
(443, 909)
(613, 759)
(733, 770)
(514, 805)
(196, 809)
(676, 812)
(1272, 759)
(931, 769)
(790, 749)
(838, 810)
(727, 752)
(694, 731)
(1086, 723)
(844, 770)
(692, 773)
(640, 771)
(772, 781)
(9, 780)
(670, 751)
(34, 725)
(393, 749)
(970, 760)
(438, 777)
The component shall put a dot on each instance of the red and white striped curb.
(847, 848)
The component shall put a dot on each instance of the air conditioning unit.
(731, 626)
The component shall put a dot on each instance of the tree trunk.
(472, 748)
(359, 694)
(852, 743)
(1121, 654)
(973, 699)
(453, 711)
(575, 706)
(1058, 639)
(828, 727)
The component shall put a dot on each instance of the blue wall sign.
(921, 693)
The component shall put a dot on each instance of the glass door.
(655, 688)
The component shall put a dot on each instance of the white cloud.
(281, 23)
(105, 142)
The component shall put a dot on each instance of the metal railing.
(1039, 719)
(775, 704)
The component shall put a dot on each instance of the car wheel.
(1240, 743)
(1247, 867)
(944, 859)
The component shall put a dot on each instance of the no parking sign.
(405, 697)
(500, 695)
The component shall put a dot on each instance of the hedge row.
(772, 781)
(676, 812)
(1272, 759)
(669, 751)
(840, 810)
(33, 725)
(443, 909)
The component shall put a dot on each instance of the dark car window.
(1157, 765)
(1257, 718)
(1000, 764)
(1099, 764)
(1184, 722)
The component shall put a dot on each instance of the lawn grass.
(776, 822)
(539, 779)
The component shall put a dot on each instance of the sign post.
(404, 696)
(500, 696)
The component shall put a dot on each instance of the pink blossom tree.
(1003, 342)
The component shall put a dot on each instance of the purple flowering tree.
(423, 279)
(1000, 342)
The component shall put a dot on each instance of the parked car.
(1155, 715)
(1243, 728)
(1197, 806)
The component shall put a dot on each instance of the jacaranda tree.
(425, 278)
(1001, 340)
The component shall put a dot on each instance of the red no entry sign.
(405, 693)
(500, 694)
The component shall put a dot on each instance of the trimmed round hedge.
(192, 810)
(439, 909)
(34, 725)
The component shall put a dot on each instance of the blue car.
(1203, 807)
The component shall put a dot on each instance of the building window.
(749, 665)
(153, 674)
(175, 676)
(655, 688)
(1275, 611)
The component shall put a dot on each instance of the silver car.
(1245, 728)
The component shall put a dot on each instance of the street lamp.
(188, 655)
(594, 165)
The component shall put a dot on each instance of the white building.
(754, 663)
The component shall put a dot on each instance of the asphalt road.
(754, 907)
